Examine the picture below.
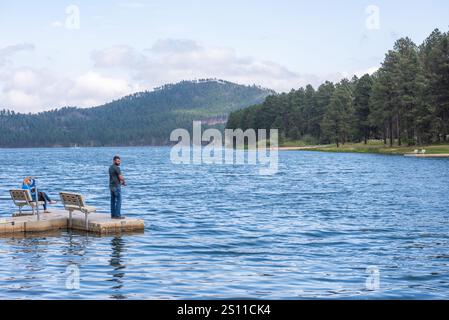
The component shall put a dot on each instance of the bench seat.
(75, 202)
(22, 198)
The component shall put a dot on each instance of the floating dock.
(99, 224)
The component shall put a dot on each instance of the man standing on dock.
(116, 181)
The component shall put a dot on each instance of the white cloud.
(92, 89)
(57, 24)
(121, 70)
(6, 53)
(33, 90)
(22, 101)
(358, 72)
(13, 49)
(23, 79)
(369, 71)
(172, 60)
(175, 46)
(117, 56)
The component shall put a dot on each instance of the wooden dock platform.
(100, 224)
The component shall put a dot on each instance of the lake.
(327, 225)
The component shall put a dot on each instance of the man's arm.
(121, 177)
(122, 180)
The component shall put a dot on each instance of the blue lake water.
(310, 231)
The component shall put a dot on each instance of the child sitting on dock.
(29, 183)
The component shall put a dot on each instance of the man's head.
(117, 160)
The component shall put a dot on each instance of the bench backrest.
(21, 196)
(72, 200)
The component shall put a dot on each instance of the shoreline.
(374, 147)
(432, 151)
(430, 155)
(298, 148)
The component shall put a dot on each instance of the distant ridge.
(143, 118)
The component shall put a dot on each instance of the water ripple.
(310, 231)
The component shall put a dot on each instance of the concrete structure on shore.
(100, 224)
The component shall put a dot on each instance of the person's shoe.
(46, 211)
(119, 218)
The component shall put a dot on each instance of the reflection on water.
(311, 231)
(117, 263)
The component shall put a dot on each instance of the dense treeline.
(145, 118)
(405, 102)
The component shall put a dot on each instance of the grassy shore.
(373, 146)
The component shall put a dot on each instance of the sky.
(86, 53)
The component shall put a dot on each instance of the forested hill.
(405, 102)
(145, 118)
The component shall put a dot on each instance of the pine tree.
(338, 121)
(362, 94)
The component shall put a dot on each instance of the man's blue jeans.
(116, 203)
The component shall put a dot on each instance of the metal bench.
(75, 202)
(22, 198)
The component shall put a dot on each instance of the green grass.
(375, 146)
(294, 143)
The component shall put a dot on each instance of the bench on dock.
(22, 198)
(75, 202)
